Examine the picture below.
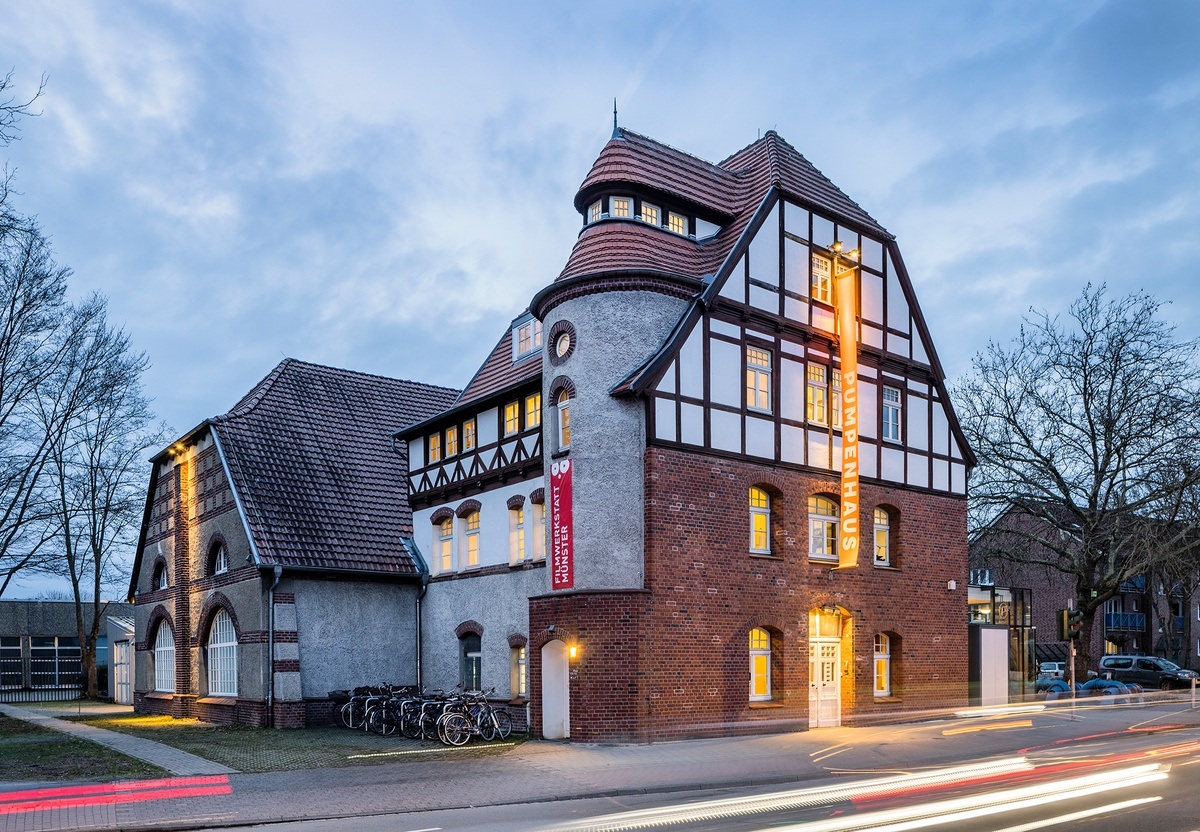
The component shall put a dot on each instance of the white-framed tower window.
(891, 414)
(164, 660)
(512, 418)
(883, 665)
(435, 448)
(595, 211)
(677, 222)
(822, 282)
(443, 544)
(220, 559)
(533, 411)
(817, 394)
(760, 521)
(516, 534)
(883, 538)
(451, 440)
(823, 520)
(471, 539)
(760, 665)
(563, 407)
(758, 379)
(518, 672)
(469, 435)
(222, 656)
(528, 338)
(539, 531)
(620, 206)
(650, 214)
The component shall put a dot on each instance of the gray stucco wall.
(351, 633)
(616, 332)
(500, 603)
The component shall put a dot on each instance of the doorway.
(123, 695)
(824, 664)
(556, 691)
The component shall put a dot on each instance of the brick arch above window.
(771, 483)
(468, 507)
(216, 543)
(517, 640)
(468, 627)
(160, 568)
(158, 617)
(560, 384)
(215, 603)
(516, 501)
(443, 513)
(766, 622)
(538, 496)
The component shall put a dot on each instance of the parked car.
(1052, 670)
(1147, 671)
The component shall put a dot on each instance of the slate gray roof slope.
(309, 451)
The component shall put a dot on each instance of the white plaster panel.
(897, 304)
(941, 428)
(958, 478)
(822, 231)
(871, 336)
(529, 443)
(872, 298)
(725, 372)
(285, 617)
(867, 466)
(868, 421)
(791, 389)
(792, 348)
(872, 253)
(823, 318)
(286, 650)
(485, 426)
(918, 386)
(795, 220)
(766, 299)
(892, 467)
(918, 423)
(705, 229)
(918, 347)
(791, 440)
(941, 475)
(691, 424)
(726, 430)
(795, 310)
(416, 453)
(664, 420)
(764, 250)
(795, 267)
(760, 437)
(918, 470)
(724, 328)
(734, 287)
(897, 344)
(667, 383)
(818, 449)
(691, 365)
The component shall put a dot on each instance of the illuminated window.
(222, 656)
(164, 659)
(595, 210)
(760, 521)
(435, 447)
(760, 665)
(563, 406)
(821, 283)
(650, 214)
(451, 440)
(620, 206)
(471, 539)
(891, 414)
(516, 534)
(512, 418)
(533, 411)
(472, 661)
(518, 673)
(539, 531)
(758, 379)
(883, 542)
(883, 665)
(835, 399)
(817, 394)
(677, 222)
(529, 338)
(443, 544)
(823, 521)
(220, 560)
(469, 435)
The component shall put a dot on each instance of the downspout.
(278, 573)
(423, 570)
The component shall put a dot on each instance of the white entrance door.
(556, 691)
(123, 695)
(825, 691)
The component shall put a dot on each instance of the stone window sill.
(884, 700)
(159, 694)
(217, 700)
(758, 706)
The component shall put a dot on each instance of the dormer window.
(452, 440)
(435, 448)
(527, 338)
(677, 222)
(469, 435)
(595, 211)
(650, 214)
(620, 206)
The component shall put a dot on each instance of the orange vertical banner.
(847, 310)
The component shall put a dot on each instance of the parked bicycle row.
(454, 718)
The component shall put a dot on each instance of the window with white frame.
(835, 398)
(533, 411)
(471, 539)
(518, 672)
(435, 448)
(595, 211)
(164, 660)
(539, 531)
(891, 414)
(620, 206)
(650, 214)
(443, 544)
(516, 534)
(817, 394)
(563, 408)
(823, 519)
(468, 435)
(758, 379)
(220, 559)
(760, 665)
(222, 656)
(161, 581)
(528, 338)
(883, 538)
(452, 440)
(822, 289)
(512, 418)
(471, 661)
(54, 661)
(760, 521)
(677, 222)
(883, 665)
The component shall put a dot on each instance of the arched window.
(443, 544)
(563, 406)
(222, 656)
(218, 559)
(760, 665)
(472, 661)
(823, 516)
(883, 665)
(883, 538)
(471, 539)
(760, 521)
(164, 659)
(161, 579)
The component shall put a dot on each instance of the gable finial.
(616, 130)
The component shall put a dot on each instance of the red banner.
(562, 543)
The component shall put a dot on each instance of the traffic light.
(1074, 624)
(1063, 630)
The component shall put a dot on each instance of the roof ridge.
(672, 148)
(791, 149)
(772, 140)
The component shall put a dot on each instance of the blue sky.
(382, 185)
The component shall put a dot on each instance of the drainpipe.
(420, 595)
(278, 572)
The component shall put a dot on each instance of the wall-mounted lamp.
(951, 585)
(573, 651)
(829, 609)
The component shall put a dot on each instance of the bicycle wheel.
(345, 715)
(454, 729)
(503, 724)
(487, 728)
(374, 721)
(410, 723)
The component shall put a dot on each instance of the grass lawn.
(268, 749)
(30, 752)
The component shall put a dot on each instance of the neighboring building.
(1002, 663)
(272, 566)
(40, 656)
(634, 513)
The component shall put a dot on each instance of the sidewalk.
(538, 771)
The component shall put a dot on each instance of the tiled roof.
(735, 188)
(499, 372)
(309, 450)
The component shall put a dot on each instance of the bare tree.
(101, 428)
(1086, 428)
(12, 110)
